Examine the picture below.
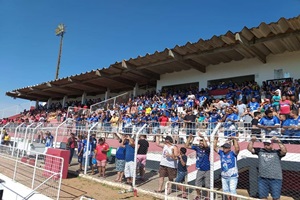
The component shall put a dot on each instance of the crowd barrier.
(32, 171)
(205, 193)
(247, 163)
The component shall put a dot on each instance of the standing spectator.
(241, 108)
(182, 171)
(101, 156)
(168, 163)
(253, 104)
(80, 146)
(163, 124)
(255, 130)
(71, 145)
(190, 122)
(275, 100)
(48, 141)
(142, 151)
(269, 167)
(129, 159)
(120, 158)
(230, 119)
(202, 163)
(285, 106)
(229, 169)
(269, 124)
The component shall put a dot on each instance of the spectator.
(255, 130)
(142, 151)
(80, 146)
(120, 158)
(230, 119)
(285, 106)
(101, 156)
(48, 141)
(202, 163)
(71, 145)
(269, 124)
(168, 163)
(269, 167)
(182, 171)
(190, 122)
(129, 158)
(254, 105)
(275, 100)
(163, 124)
(229, 169)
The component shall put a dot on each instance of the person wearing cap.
(269, 123)
(168, 163)
(229, 169)
(213, 118)
(202, 162)
(269, 167)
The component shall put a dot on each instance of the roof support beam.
(141, 72)
(251, 49)
(187, 62)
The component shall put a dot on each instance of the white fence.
(40, 172)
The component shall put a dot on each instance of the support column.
(83, 98)
(135, 90)
(49, 102)
(107, 94)
(37, 104)
(64, 101)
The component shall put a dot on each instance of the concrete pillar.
(37, 104)
(64, 101)
(135, 90)
(83, 98)
(107, 94)
(49, 102)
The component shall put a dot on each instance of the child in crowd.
(182, 171)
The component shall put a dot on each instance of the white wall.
(289, 62)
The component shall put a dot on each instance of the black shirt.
(257, 130)
(143, 149)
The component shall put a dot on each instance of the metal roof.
(258, 42)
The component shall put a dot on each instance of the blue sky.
(99, 33)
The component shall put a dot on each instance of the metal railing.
(40, 172)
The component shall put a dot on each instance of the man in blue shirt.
(269, 124)
(230, 118)
(229, 169)
(202, 163)
(129, 158)
(253, 105)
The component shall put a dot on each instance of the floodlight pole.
(60, 31)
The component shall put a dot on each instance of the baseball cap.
(267, 141)
(226, 145)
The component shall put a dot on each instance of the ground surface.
(75, 187)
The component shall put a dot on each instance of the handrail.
(135, 153)
(25, 136)
(56, 131)
(16, 131)
(87, 147)
(211, 158)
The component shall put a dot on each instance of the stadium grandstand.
(235, 86)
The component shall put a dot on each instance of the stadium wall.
(289, 62)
